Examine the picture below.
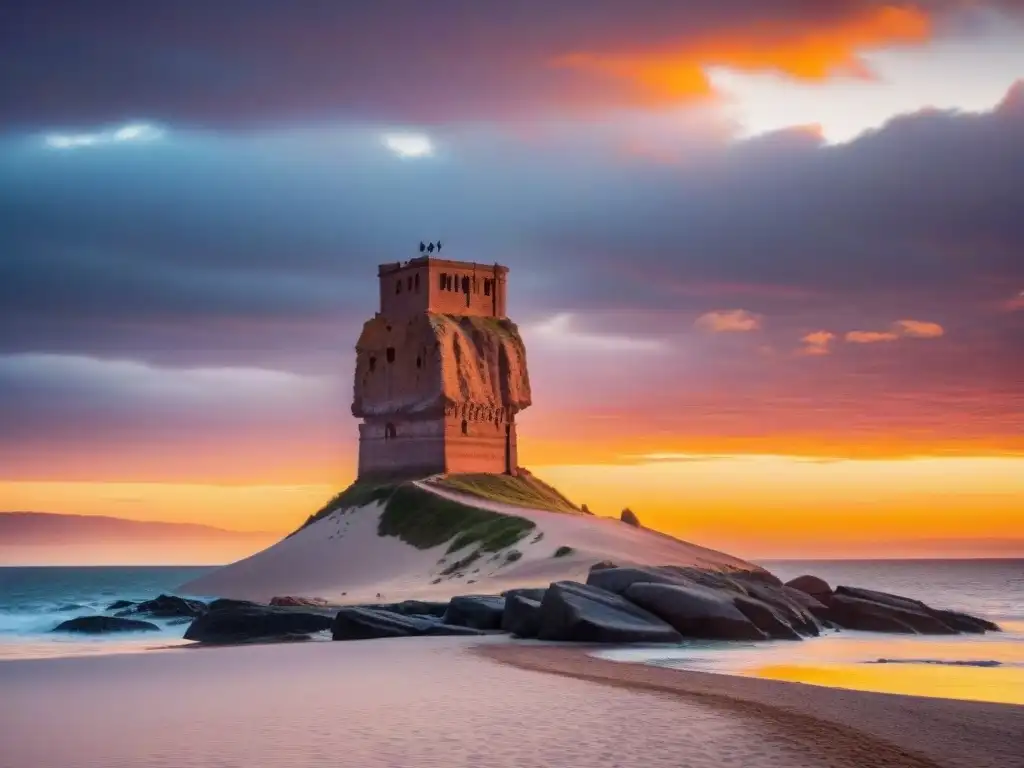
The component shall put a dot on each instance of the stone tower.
(440, 372)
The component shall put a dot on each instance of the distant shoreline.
(854, 728)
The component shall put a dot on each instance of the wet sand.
(853, 728)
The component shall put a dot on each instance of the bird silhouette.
(438, 246)
(430, 248)
(422, 247)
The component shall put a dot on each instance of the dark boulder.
(70, 607)
(798, 617)
(532, 593)
(521, 616)
(629, 517)
(813, 586)
(223, 603)
(765, 618)
(289, 601)
(871, 616)
(166, 607)
(963, 622)
(359, 623)
(476, 611)
(120, 605)
(695, 611)
(809, 603)
(97, 625)
(580, 613)
(250, 623)
(618, 579)
(415, 608)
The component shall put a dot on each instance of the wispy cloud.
(561, 331)
(729, 321)
(918, 329)
(817, 343)
(870, 337)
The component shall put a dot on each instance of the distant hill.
(43, 538)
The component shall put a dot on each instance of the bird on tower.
(438, 246)
(423, 247)
(430, 248)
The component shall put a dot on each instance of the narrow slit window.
(444, 281)
(391, 354)
(487, 287)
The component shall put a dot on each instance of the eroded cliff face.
(432, 364)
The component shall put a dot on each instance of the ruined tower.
(440, 372)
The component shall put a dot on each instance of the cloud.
(560, 332)
(1015, 304)
(870, 337)
(817, 343)
(729, 321)
(918, 329)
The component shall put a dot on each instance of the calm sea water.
(35, 600)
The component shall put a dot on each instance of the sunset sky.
(767, 255)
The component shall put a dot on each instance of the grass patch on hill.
(359, 494)
(522, 490)
(425, 520)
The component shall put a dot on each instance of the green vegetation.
(564, 550)
(360, 493)
(424, 520)
(522, 490)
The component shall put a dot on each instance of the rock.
(476, 611)
(765, 618)
(97, 625)
(618, 580)
(226, 602)
(792, 612)
(695, 611)
(963, 622)
(521, 616)
(581, 613)
(415, 608)
(813, 586)
(885, 598)
(70, 607)
(120, 605)
(248, 623)
(808, 602)
(871, 616)
(166, 607)
(531, 593)
(629, 517)
(287, 601)
(359, 623)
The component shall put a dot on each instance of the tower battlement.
(440, 371)
(442, 286)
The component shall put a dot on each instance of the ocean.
(34, 600)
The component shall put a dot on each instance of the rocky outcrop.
(356, 623)
(166, 607)
(695, 611)
(298, 602)
(813, 586)
(580, 613)
(475, 611)
(521, 616)
(98, 625)
(430, 363)
(629, 517)
(250, 623)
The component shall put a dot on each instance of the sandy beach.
(463, 702)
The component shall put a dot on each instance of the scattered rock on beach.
(98, 625)
(582, 613)
(249, 623)
(813, 586)
(696, 611)
(360, 623)
(476, 611)
(222, 603)
(521, 616)
(629, 517)
(872, 616)
(166, 607)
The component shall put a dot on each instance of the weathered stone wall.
(442, 287)
(402, 445)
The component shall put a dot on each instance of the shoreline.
(859, 727)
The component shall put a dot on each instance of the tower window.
(391, 354)
(465, 427)
(487, 287)
(419, 361)
(465, 285)
(443, 282)
(416, 282)
(398, 285)
(390, 432)
(448, 282)
(373, 364)
(408, 283)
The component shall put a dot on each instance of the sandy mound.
(430, 542)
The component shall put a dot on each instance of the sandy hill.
(445, 535)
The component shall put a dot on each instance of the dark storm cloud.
(263, 61)
(251, 249)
